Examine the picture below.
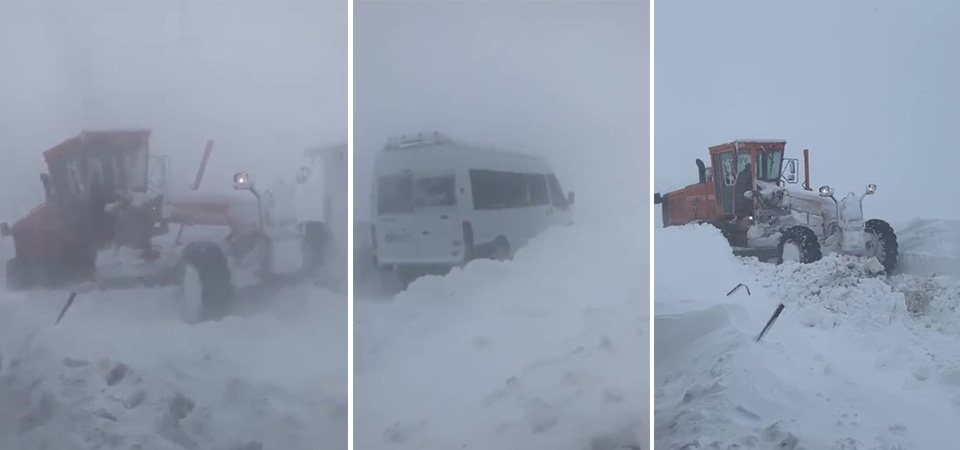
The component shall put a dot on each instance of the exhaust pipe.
(196, 181)
(702, 170)
(806, 170)
(203, 166)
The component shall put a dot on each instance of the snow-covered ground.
(122, 371)
(547, 351)
(857, 360)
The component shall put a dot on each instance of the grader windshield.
(768, 164)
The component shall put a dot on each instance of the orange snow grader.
(107, 219)
(744, 194)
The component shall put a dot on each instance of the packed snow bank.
(687, 280)
(122, 371)
(929, 247)
(856, 360)
(549, 350)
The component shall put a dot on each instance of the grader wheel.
(799, 244)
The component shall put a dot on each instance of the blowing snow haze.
(868, 87)
(265, 80)
(568, 81)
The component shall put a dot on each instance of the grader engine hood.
(847, 211)
(799, 201)
(236, 210)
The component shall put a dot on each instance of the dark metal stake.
(770, 322)
(63, 311)
(741, 285)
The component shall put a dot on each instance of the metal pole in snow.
(735, 288)
(773, 318)
(63, 311)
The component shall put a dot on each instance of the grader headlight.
(242, 182)
(871, 189)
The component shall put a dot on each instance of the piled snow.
(549, 350)
(686, 278)
(930, 247)
(121, 371)
(857, 360)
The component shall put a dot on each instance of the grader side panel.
(695, 203)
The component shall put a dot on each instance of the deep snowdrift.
(857, 360)
(549, 350)
(930, 247)
(121, 371)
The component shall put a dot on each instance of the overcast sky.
(869, 87)
(265, 79)
(568, 80)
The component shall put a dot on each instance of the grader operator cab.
(57, 242)
(744, 194)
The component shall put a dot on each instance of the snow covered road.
(121, 371)
(857, 360)
(549, 350)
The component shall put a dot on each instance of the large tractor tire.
(18, 275)
(207, 284)
(885, 245)
(799, 244)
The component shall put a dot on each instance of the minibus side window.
(395, 194)
(499, 190)
(537, 185)
(432, 192)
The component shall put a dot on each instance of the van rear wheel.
(501, 249)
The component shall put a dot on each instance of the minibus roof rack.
(422, 139)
